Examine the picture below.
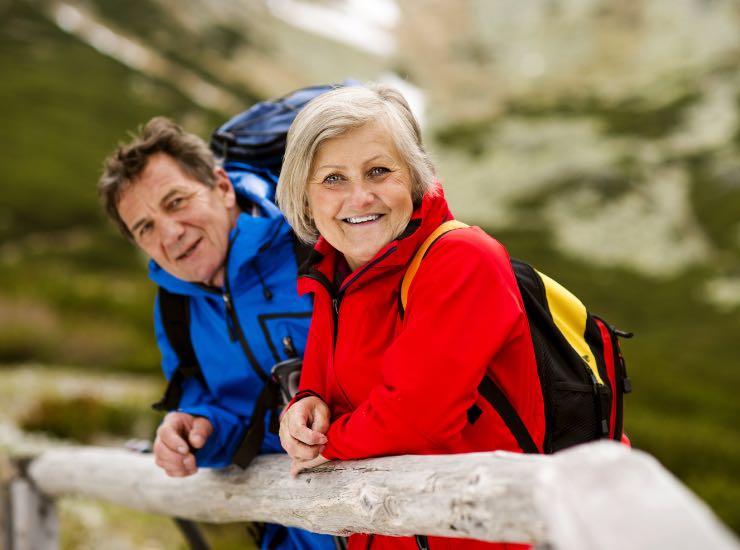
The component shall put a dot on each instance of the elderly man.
(224, 260)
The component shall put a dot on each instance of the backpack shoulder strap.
(444, 228)
(174, 311)
(487, 388)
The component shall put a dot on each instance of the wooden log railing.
(595, 496)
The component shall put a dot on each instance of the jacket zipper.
(603, 422)
(289, 348)
(336, 300)
(235, 328)
(234, 324)
(623, 383)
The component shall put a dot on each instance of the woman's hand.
(297, 465)
(302, 432)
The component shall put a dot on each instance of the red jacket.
(406, 386)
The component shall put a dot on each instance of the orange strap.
(446, 227)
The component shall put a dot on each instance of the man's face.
(179, 222)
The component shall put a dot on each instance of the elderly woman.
(357, 181)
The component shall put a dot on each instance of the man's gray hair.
(333, 114)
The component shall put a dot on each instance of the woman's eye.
(378, 171)
(332, 179)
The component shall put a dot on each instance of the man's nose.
(170, 231)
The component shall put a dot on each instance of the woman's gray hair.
(333, 114)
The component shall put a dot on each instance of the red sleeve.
(463, 307)
(313, 375)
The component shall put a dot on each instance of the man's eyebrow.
(168, 196)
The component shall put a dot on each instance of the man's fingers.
(200, 432)
(173, 463)
(171, 439)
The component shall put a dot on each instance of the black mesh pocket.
(573, 415)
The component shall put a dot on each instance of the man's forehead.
(161, 177)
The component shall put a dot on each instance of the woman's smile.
(357, 220)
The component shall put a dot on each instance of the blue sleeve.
(228, 428)
(197, 400)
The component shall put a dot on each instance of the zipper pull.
(288, 347)
(229, 316)
(335, 305)
(597, 397)
(626, 382)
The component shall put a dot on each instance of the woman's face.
(359, 192)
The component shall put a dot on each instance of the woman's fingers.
(297, 466)
(297, 435)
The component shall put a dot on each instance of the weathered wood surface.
(33, 524)
(7, 474)
(596, 496)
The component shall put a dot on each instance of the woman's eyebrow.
(340, 166)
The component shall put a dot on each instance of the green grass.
(716, 201)
(91, 524)
(87, 419)
(80, 288)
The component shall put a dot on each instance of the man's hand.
(176, 436)
(302, 429)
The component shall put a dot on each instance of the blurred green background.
(600, 141)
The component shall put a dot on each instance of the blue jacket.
(260, 280)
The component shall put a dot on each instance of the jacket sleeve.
(463, 308)
(197, 400)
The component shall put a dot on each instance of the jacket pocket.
(285, 333)
(576, 409)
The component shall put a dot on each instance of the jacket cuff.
(302, 395)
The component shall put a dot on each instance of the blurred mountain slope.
(599, 141)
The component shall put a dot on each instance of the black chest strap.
(174, 310)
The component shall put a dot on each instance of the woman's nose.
(361, 193)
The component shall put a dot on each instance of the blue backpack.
(254, 140)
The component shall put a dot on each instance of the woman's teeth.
(361, 219)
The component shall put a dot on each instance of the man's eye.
(378, 171)
(145, 228)
(174, 203)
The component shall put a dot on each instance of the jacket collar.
(318, 271)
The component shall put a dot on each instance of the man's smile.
(189, 250)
